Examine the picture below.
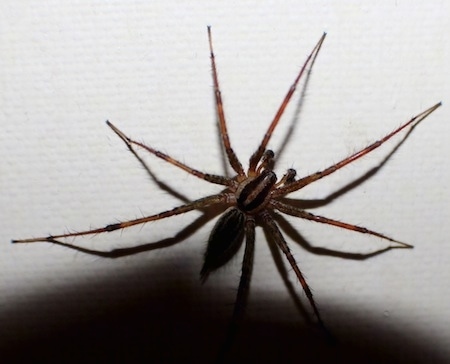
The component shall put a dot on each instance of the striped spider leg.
(249, 199)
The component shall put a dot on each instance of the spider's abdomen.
(224, 241)
(254, 194)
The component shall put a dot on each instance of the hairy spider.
(249, 198)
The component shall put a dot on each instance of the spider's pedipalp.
(288, 177)
(267, 161)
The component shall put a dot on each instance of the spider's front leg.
(283, 191)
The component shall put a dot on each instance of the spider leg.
(205, 176)
(254, 160)
(302, 182)
(197, 204)
(243, 290)
(293, 211)
(275, 233)
(232, 158)
(163, 186)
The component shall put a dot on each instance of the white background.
(66, 68)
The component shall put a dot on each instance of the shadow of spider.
(249, 198)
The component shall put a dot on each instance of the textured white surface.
(65, 69)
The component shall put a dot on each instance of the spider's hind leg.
(278, 238)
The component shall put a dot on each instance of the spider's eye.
(224, 241)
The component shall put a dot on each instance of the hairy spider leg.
(275, 233)
(205, 176)
(302, 182)
(254, 159)
(293, 211)
(197, 204)
(232, 158)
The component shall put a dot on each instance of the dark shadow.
(127, 319)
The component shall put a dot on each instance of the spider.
(249, 198)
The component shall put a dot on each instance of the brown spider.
(250, 197)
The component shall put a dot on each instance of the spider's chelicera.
(250, 198)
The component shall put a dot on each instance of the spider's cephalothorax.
(249, 198)
(254, 193)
